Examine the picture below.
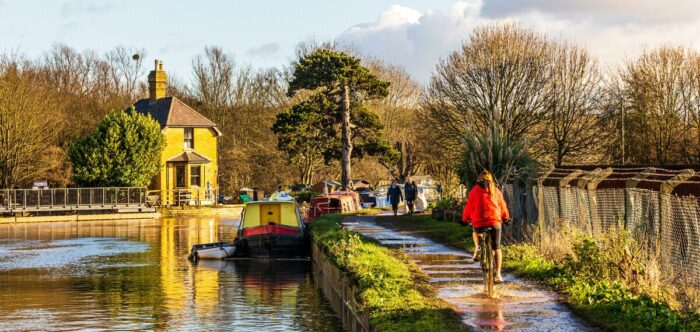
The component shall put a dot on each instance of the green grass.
(607, 304)
(447, 233)
(391, 290)
(594, 295)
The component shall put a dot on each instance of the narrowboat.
(272, 229)
(335, 202)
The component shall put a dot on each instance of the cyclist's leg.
(475, 238)
(496, 245)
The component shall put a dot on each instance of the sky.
(415, 34)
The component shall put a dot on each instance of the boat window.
(334, 203)
(180, 177)
(195, 172)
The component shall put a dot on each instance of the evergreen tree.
(123, 151)
(344, 81)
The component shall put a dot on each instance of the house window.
(189, 138)
(180, 177)
(195, 175)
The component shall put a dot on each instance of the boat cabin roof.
(261, 213)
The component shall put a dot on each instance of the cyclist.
(486, 208)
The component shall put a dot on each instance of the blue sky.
(177, 30)
(412, 33)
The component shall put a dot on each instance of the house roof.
(172, 112)
(190, 157)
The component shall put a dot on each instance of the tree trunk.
(346, 172)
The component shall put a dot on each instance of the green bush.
(304, 196)
(595, 292)
(439, 207)
(124, 151)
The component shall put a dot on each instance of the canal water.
(134, 275)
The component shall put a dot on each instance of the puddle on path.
(456, 279)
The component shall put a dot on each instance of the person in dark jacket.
(411, 190)
(395, 197)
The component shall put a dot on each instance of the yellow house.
(189, 167)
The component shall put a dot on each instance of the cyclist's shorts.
(495, 236)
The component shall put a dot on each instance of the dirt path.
(518, 306)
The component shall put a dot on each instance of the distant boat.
(335, 202)
(217, 250)
(272, 229)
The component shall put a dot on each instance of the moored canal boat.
(272, 229)
(335, 202)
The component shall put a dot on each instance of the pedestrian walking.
(395, 197)
(411, 190)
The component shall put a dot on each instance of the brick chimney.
(157, 81)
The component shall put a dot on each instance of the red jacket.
(484, 210)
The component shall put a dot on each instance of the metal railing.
(66, 199)
(182, 197)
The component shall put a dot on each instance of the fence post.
(541, 219)
(128, 196)
(564, 183)
(25, 199)
(630, 184)
(665, 204)
(589, 182)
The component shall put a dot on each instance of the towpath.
(519, 306)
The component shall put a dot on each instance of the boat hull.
(213, 251)
(274, 242)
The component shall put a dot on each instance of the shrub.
(124, 151)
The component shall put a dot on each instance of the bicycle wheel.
(489, 261)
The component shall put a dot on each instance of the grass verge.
(584, 277)
(610, 304)
(391, 290)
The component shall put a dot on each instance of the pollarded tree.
(346, 82)
(123, 151)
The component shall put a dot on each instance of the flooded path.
(134, 275)
(518, 306)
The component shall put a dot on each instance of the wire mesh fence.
(666, 225)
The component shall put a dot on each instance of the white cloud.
(611, 30)
(616, 10)
(264, 50)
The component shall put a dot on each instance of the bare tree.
(574, 130)
(498, 77)
(659, 105)
(126, 69)
(25, 130)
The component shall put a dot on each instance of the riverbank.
(593, 294)
(391, 290)
(80, 217)
(220, 210)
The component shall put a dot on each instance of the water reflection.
(133, 275)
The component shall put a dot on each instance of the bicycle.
(487, 259)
